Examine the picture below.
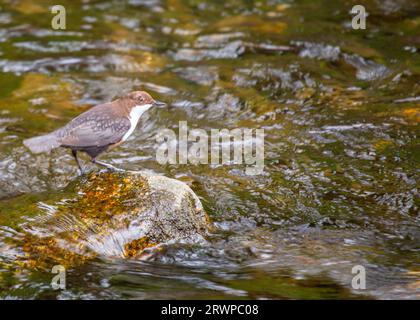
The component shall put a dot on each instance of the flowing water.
(340, 111)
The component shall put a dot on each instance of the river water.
(340, 112)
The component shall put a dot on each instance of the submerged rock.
(113, 215)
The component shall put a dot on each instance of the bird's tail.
(42, 143)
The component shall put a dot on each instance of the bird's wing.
(99, 128)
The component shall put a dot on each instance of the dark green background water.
(340, 109)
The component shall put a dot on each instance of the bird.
(98, 129)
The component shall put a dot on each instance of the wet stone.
(202, 75)
(318, 51)
(120, 215)
(231, 50)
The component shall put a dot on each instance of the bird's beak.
(159, 103)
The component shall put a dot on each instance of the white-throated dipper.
(98, 129)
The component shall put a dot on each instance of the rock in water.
(115, 215)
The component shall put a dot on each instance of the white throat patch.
(135, 115)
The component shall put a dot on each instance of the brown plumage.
(97, 129)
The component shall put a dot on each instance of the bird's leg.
(106, 165)
(74, 153)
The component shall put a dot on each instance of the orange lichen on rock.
(43, 253)
(135, 247)
(103, 197)
(412, 114)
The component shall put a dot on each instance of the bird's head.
(142, 98)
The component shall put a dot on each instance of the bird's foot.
(108, 166)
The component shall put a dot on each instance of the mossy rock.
(109, 214)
